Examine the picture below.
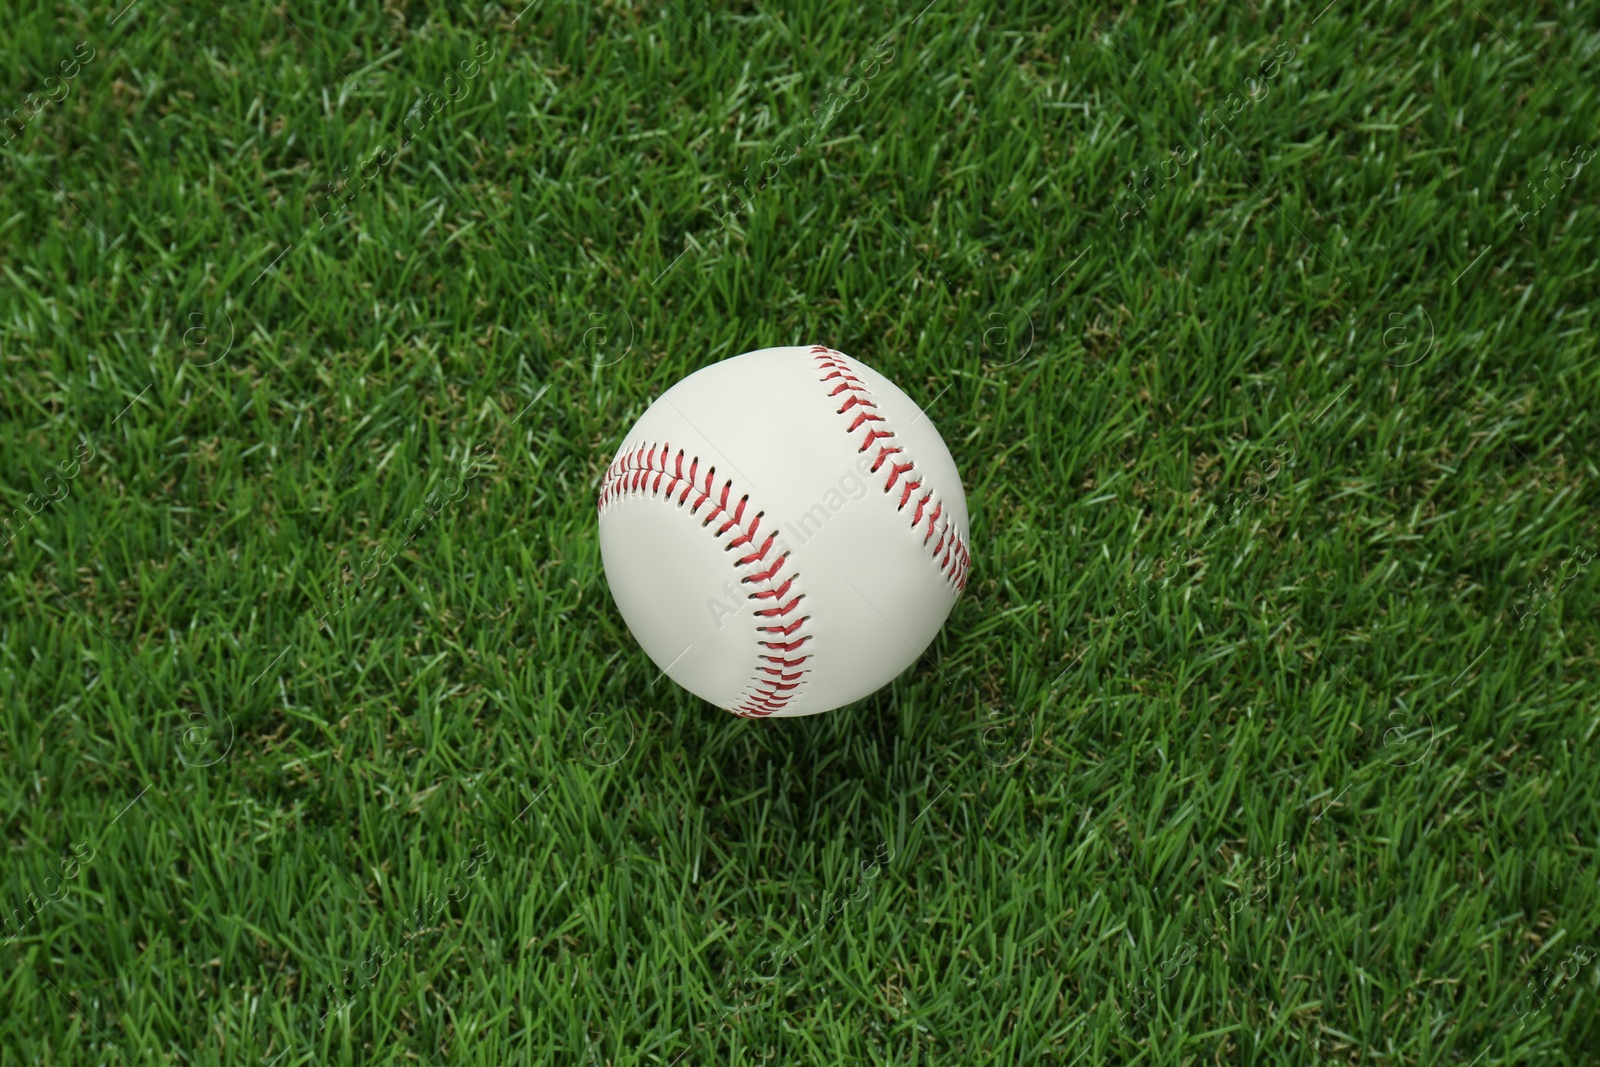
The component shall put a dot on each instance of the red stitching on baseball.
(871, 437)
(955, 561)
(764, 576)
(772, 688)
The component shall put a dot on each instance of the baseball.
(784, 532)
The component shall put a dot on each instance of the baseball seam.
(950, 549)
(778, 676)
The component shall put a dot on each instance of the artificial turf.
(1263, 336)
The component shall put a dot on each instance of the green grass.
(1250, 741)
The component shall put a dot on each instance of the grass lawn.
(1264, 339)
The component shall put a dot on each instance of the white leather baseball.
(784, 532)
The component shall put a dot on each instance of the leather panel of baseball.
(821, 589)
